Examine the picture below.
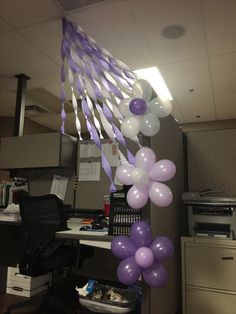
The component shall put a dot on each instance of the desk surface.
(93, 238)
(10, 223)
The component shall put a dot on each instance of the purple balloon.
(144, 257)
(155, 276)
(145, 158)
(137, 196)
(160, 194)
(163, 170)
(123, 174)
(128, 271)
(162, 248)
(138, 106)
(141, 234)
(123, 247)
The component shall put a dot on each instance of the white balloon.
(139, 176)
(145, 158)
(161, 107)
(142, 89)
(130, 127)
(149, 124)
(124, 107)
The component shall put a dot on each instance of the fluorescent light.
(154, 77)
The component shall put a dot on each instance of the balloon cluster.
(142, 256)
(147, 178)
(141, 114)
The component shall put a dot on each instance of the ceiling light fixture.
(174, 31)
(154, 77)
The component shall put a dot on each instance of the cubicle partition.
(167, 144)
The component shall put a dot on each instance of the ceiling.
(199, 67)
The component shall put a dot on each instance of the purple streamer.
(114, 89)
(72, 65)
(63, 95)
(63, 73)
(64, 22)
(79, 86)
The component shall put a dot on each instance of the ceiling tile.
(47, 37)
(120, 36)
(7, 77)
(56, 90)
(4, 27)
(3, 89)
(26, 58)
(176, 113)
(7, 104)
(184, 76)
(54, 122)
(225, 106)
(27, 12)
(223, 71)
(220, 22)
(157, 15)
(191, 107)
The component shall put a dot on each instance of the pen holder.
(106, 203)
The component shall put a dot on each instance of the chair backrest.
(41, 217)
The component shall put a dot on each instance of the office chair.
(41, 217)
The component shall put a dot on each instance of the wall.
(212, 157)
(30, 127)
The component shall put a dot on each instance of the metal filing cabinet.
(208, 275)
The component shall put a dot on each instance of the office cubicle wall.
(90, 194)
(168, 144)
(40, 181)
(38, 158)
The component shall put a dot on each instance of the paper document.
(59, 186)
(110, 150)
(89, 150)
(89, 171)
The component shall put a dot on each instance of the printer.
(210, 214)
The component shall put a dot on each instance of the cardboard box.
(25, 286)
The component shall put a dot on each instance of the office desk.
(92, 238)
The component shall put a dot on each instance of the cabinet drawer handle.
(227, 257)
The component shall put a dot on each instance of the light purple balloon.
(123, 247)
(160, 194)
(123, 174)
(162, 248)
(155, 276)
(145, 158)
(141, 234)
(128, 271)
(137, 196)
(163, 170)
(138, 106)
(144, 257)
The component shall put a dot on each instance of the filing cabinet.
(208, 275)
